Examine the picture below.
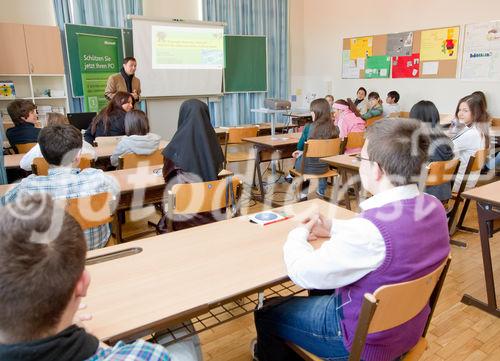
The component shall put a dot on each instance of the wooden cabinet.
(13, 48)
(43, 45)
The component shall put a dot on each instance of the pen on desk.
(278, 220)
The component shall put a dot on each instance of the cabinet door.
(44, 49)
(14, 59)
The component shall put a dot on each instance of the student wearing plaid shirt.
(43, 278)
(60, 146)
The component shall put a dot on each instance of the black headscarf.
(195, 147)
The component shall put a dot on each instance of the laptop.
(81, 120)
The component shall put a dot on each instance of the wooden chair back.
(495, 122)
(478, 160)
(392, 305)
(132, 160)
(394, 115)
(104, 141)
(373, 120)
(235, 135)
(41, 167)
(91, 211)
(404, 114)
(441, 172)
(23, 148)
(355, 140)
(320, 148)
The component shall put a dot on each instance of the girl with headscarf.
(193, 155)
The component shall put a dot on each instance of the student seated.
(374, 107)
(441, 147)
(320, 128)
(391, 104)
(472, 137)
(329, 98)
(387, 243)
(138, 139)
(348, 119)
(193, 155)
(35, 152)
(61, 146)
(111, 120)
(43, 278)
(360, 101)
(24, 116)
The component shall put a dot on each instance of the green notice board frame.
(245, 59)
(125, 48)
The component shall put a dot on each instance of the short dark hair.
(426, 112)
(394, 95)
(19, 109)
(40, 265)
(400, 147)
(373, 95)
(60, 143)
(136, 123)
(127, 59)
(363, 89)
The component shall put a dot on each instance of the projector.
(277, 104)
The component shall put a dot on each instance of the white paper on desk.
(430, 68)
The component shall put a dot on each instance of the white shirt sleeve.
(355, 249)
(27, 159)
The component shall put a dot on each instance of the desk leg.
(347, 201)
(485, 214)
(259, 176)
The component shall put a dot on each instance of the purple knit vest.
(416, 238)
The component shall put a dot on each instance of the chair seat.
(417, 351)
(240, 156)
(307, 176)
(225, 173)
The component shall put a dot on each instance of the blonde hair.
(56, 118)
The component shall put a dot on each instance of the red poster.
(405, 66)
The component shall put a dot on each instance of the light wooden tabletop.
(489, 193)
(181, 274)
(262, 126)
(343, 161)
(276, 141)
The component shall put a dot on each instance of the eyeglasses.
(360, 158)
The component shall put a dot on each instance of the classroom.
(249, 180)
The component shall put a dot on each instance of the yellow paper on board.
(361, 47)
(439, 44)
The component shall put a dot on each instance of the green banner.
(378, 66)
(98, 60)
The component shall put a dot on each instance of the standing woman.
(348, 119)
(360, 102)
(111, 120)
(193, 155)
(474, 136)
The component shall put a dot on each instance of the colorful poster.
(400, 44)
(439, 44)
(98, 60)
(405, 66)
(378, 67)
(481, 56)
(361, 47)
(350, 70)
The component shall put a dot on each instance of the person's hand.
(80, 318)
(135, 95)
(296, 154)
(321, 229)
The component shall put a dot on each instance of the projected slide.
(187, 47)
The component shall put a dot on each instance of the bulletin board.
(429, 53)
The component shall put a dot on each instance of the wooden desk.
(487, 198)
(266, 147)
(184, 274)
(347, 165)
(102, 151)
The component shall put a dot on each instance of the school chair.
(353, 140)
(41, 167)
(317, 148)
(23, 148)
(394, 115)
(132, 160)
(495, 122)
(105, 141)
(404, 114)
(192, 198)
(235, 148)
(90, 211)
(390, 306)
(475, 164)
(371, 121)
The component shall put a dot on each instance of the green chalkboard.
(72, 47)
(245, 63)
